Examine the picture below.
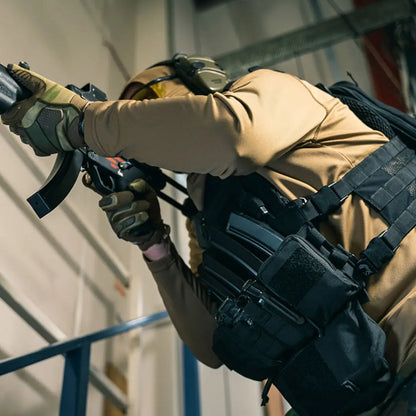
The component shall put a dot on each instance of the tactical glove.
(48, 120)
(134, 215)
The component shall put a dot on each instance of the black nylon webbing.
(386, 180)
(402, 175)
(391, 189)
(352, 180)
(366, 168)
(401, 226)
(383, 196)
(381, 249)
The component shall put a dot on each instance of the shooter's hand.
(134, 215)
(48, 120)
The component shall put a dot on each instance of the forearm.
(185, 300)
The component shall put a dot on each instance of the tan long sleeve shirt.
(293, 134)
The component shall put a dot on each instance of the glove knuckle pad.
(140, 205)
(121, 214)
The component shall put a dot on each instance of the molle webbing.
(380, 179)
(385, 180)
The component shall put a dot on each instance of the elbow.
(211, 362)
(237, 156)
(204, 354)
(215, 366)
(245, 158)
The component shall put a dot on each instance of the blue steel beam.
(190, 383)
(75, 383)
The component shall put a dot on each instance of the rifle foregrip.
(10, 91)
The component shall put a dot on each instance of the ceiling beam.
(313, 37)
(207, 4)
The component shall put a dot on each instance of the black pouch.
(252, 337)
(344, 372)
(306, 280)
(337, 367)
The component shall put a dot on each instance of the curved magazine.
(58, 184)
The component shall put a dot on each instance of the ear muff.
(201, 75)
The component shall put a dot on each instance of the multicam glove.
(48, 120)
(134, 215)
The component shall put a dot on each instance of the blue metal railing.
(77, 360)
(190, 383)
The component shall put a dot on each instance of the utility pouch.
(307, 280)
(254, 334)
(318, 346)
(343, 372)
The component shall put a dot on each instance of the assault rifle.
(104, 174)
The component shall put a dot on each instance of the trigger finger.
(139, 185)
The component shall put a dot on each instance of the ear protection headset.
(201, 75)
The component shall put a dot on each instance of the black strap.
(329, 198)
(382, 248)
(386, 180)
(265, 392)
(293, 215)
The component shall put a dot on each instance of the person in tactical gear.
(293, 134)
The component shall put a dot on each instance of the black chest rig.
(289, 300)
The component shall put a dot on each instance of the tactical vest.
(289, 300)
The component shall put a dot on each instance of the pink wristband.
(157, 251)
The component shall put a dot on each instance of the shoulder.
(272, 82)
(261, 76)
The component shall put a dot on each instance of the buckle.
(341, 199)
(378, 252)
(365, 268)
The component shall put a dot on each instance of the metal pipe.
(329, 51)
(307, 39)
